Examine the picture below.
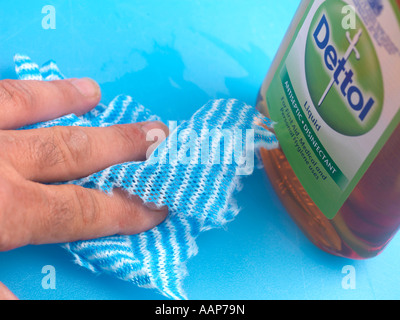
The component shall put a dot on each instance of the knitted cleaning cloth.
(197, 188)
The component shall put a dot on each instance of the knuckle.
(6, 193)
(45, 151)
(40, 149)
(7, 143)
(15, 94)
(5, 240)
(130, 135)
(4, 237)
(58, 217)
(74, 144)
(60, 213)
(129, 217)
(87, 208)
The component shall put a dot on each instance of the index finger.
(6, 294)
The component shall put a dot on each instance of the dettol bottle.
(333, 91)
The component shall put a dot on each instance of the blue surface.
(173, 56)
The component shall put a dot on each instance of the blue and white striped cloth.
(199, 194)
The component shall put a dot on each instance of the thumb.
(6, 294)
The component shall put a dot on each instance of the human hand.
(32, 212)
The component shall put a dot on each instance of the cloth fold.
(195, 172)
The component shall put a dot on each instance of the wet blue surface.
(173, 56)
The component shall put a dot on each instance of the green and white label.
(336, 95)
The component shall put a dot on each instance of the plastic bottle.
(333, 90)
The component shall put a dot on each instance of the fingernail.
(87, 87)
(154, 125)
(155, 214)
(153, 207)
(155, 132)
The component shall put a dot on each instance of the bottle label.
(335, 98)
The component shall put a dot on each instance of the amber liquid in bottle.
(370, 216)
